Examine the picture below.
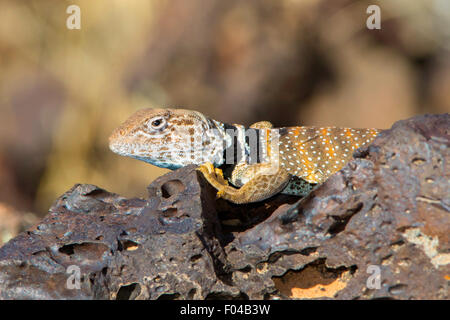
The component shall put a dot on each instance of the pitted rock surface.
(379, 228)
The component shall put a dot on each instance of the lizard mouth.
(122, 148)
(116, 147)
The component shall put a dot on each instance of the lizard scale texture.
(316, 153)
(260, 160)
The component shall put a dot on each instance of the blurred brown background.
(310, 62)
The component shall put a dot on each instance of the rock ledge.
(379, 228)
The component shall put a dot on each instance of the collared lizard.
(258, 162)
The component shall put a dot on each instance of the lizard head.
(169, 138)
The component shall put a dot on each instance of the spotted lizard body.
(258, 162)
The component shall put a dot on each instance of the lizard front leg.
(213, 175)
(264, 184)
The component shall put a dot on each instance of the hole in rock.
(129, 245)
(191, 294)
(129, 292)
(169, 296)
(397, 289)
(196, 257)
(418, 161)
(171, 188)
(67, 249)
(308, 251)
(170, 212)
(84, 251)
(246, 269)
(315, 280)
(341, 221)
(226, 296)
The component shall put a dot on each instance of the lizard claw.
(212, 174)
(220, 193)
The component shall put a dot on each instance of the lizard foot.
(220, 193)
(213, 175)
(260, 187)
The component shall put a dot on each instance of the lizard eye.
(157, 123)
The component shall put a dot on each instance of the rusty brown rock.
(162, 247)
(387, 211)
